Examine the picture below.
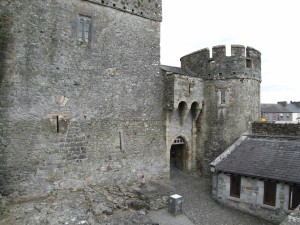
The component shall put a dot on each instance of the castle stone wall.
(73, 111)
(276, 129)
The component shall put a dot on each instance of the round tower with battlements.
(232, 97)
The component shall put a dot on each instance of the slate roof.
(268, 158)
(279, 108)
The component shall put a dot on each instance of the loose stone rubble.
(106, 205)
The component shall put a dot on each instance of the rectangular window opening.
(223, 100)
(269, 193)
(248, 63)
(84, 28)
(235, 186)
(210, 64)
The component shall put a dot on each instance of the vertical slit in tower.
(120, 137)
(57, 124)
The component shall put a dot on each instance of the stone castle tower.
(232, 96)
(85, 101)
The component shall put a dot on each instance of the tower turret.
(242, 64)
(232, 96)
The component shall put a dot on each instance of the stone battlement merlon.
(238, 50)
(150, 9)
(219, 51)
(252, 52)
(244, 62)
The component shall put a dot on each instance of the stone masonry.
(80, 110)
(225, 118)
(85, 101)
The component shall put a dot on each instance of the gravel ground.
(116, 206)
(201, 208)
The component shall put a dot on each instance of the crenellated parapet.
(150, 9)
(243, 63)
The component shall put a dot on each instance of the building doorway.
(178, 155)
(294, 196)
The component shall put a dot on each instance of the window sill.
(267, 206)
(235, 199)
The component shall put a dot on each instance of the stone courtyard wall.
(287, 129)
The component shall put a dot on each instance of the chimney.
(283, 103)
(296, 103)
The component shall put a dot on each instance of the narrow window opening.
(102, 2)
(86, 30)
(132, 10)
(114, 5)
(220, 74)
(120, 137)
(269, 193)
(57, 124)
(223, 100)
(80, 29)
(235, 186)
(189, 88)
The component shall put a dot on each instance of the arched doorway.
(178, 155)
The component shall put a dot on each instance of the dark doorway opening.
(294, 196)
(178, 155)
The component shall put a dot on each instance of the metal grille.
(178, 141)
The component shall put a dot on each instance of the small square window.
(248, 63)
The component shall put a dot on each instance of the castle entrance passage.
(178, 154)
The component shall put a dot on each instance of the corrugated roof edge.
(227, 152)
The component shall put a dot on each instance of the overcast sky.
(272, 27)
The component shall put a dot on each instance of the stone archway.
(179, 155)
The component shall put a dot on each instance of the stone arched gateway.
(179, 154)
